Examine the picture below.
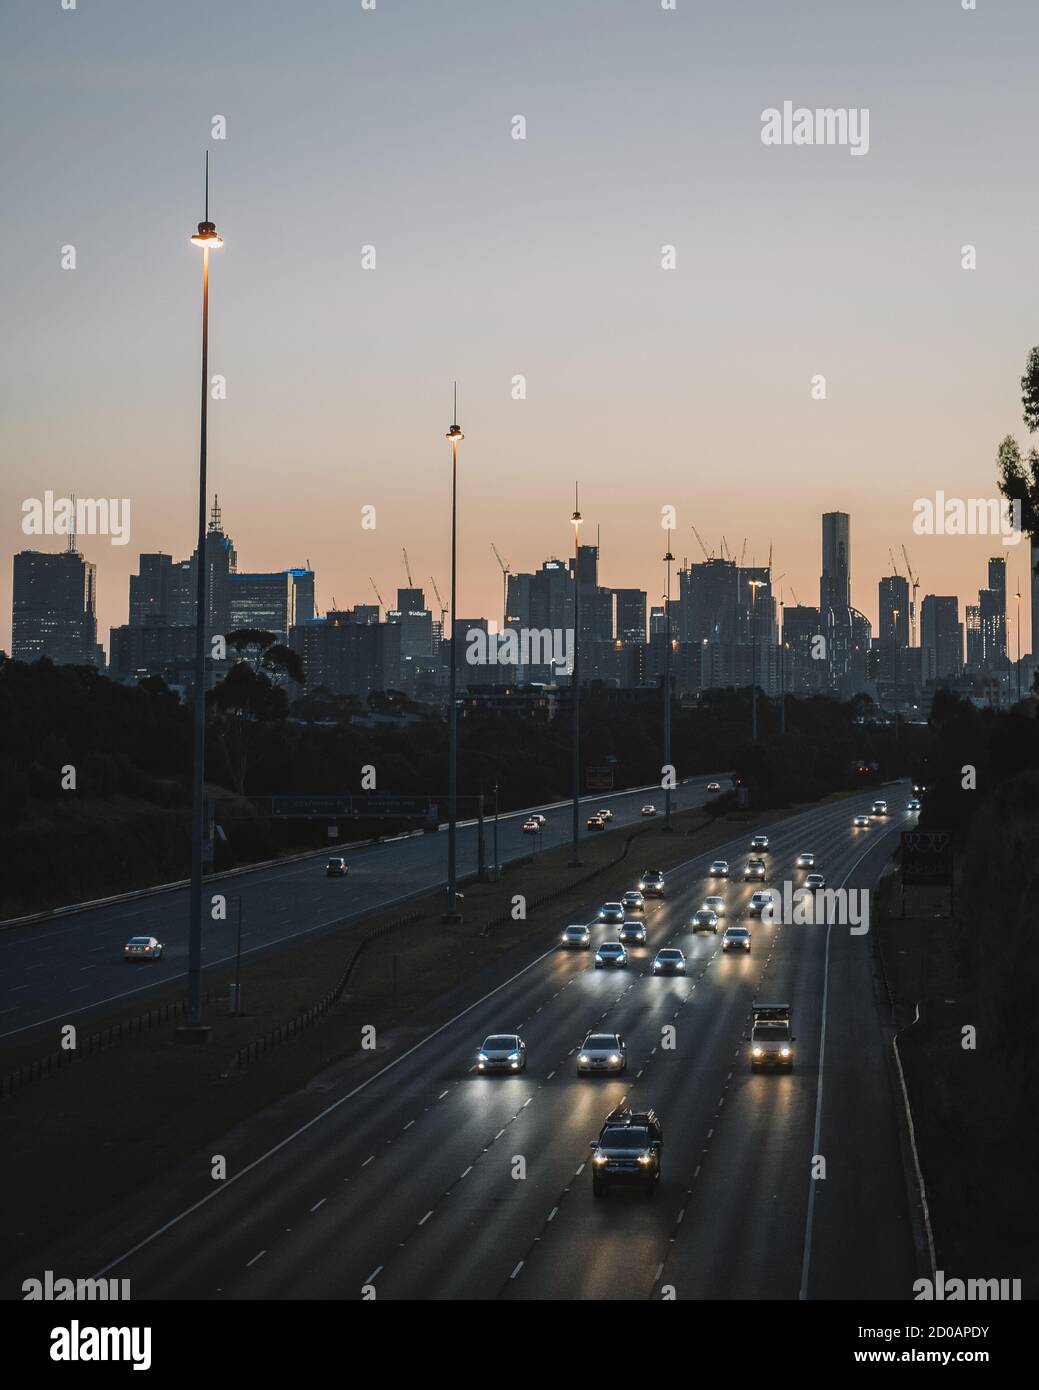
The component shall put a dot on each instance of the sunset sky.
(498, 257)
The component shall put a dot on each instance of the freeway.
(73, 965)
(409, 1176)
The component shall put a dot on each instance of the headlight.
(757, 1051)
(784, 1052)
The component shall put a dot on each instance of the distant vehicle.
(605, 814)
(760, 843)
(704, 919)
(715, 904)
(758, 902)
(879, 808)
(142, 948)
(633, 900)
(669, 961)
(531, 826)
(595, 823)
(611, 913)
(913, 805)
(806, 860)
(860, 823)
(576, 938)
(713, 786)
(651, 883)
(627, 1151)
(736, 939)
(719, 869)
(336, 867)
(611, 955)
(502, 1052)
(648, 811)
(771, 1042)
(632, 933)
(602, 1052)
(815, 882)
(755, 870)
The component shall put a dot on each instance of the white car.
(142, 948)
(648, 811)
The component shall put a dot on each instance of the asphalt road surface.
(409, 1176)
(56, 970)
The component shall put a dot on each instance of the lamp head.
(207, 236)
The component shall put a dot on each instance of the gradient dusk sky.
(497, 257)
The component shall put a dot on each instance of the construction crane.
(371, 581)
(706, 553)
(912, 607)
(443, 605)
(407, 568)
(505, 572)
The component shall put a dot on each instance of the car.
(531, 827)
(719, 869)
(611, 913)
(502, 1052)
(648, 811)
(336, 867)
(913, 805)
(595, 823)
(759, 843)
(860, 822)
(628, 1151)
(632, 933)
(669, 961)
(879, 808)
(815, 882)
(715, 904)
(714, 786)
(605, 814)
(806, 860)
(142, 948)
(633, 900)
(736, 939)
(755, 870)
(611, 955)
(704, 919)
(651, 883)
(758, 902)
(771, 1042)
(576, 938)
(602, 1052)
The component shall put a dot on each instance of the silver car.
(603, 1052)
(502, 1052)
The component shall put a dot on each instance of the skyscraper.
(53, 608)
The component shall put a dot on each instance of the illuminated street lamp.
(575, 687)
(755, 585)
(456, 436)
(668, 561)
(206, 237)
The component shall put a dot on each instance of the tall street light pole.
(206, 237)
(668, 560)
(575, 684)
(452, 915)
(755, 585)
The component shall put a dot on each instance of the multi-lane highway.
(69, 966)
(408, 1175)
